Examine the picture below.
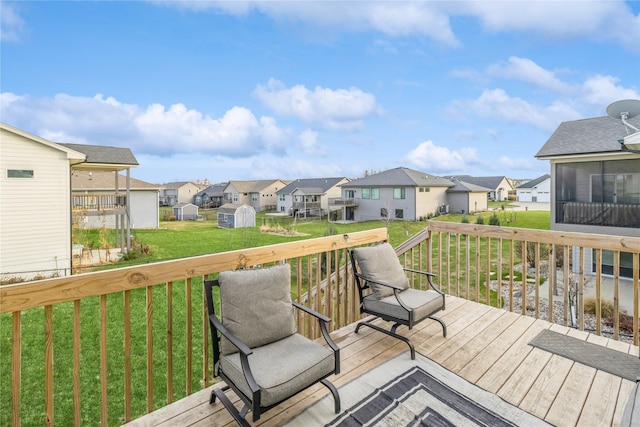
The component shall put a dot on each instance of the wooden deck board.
(486, 346)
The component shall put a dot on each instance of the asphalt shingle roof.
(466, 187)
(587, 136)
(99, 180)
(404, 177)
(489, 182)
(99, 154)
(310, 185)
(534, 182)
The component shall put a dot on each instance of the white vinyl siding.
(35, 227)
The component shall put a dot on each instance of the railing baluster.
(205, 321)
(536, 286)
(189, 336)
(488, 272)
(149, 317)
(103, 361)
(616, 295)
(76, 362)
(523, 282)
(598, 292)
(127, 355)
(16, 367)
(48, 364)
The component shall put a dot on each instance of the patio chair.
(256, 349)
(383, 288)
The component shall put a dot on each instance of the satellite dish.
(624, 109)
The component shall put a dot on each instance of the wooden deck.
(485, 345)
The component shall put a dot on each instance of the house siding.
(35, 227)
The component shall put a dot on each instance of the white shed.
(185, 211)
(232, 215)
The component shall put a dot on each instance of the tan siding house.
(260, 195)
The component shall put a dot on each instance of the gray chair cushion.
(380, 263)
(423, 304)
(255, 305)
(278, 370)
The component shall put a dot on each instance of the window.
(366, 193)
(384, 213)
(349, 194)
(19, 173)
(375, 194)
(254, 197)
(398, 193)
(399, 213)
(425, 189)
(281, 197)
(234, 197)
(615, 188)
(625, 266)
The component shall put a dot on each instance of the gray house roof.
(98, 180)
(215, 190)
(101, 155)
(587, 136)
(489, 182)
(252, 186)
(467, 187)
(534, 182)
(310, 185)
(404, 177)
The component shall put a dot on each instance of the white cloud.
(517, 164)
(396, 19)
(12, 26)
(497, 104)
(343, 109)
(602, 90)
(526, 70)
(598, 20)
(435, 159)
(155, 129)
(308, 142)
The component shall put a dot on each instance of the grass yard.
(175, 239)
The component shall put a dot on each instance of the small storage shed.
(232, 215)
(185, 211)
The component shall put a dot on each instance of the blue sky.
(260, 90)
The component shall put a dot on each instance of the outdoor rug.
(596, 356)
(405, 392)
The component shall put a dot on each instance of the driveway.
(530, 206)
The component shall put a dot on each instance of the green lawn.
(175, 239)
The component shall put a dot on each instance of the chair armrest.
(244, 349)
(388, 285)
(411, 270)
(429, 276)
(311, 312)
(322, 321)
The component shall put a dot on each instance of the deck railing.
(99, 202)
(485, 264)
(107, 347)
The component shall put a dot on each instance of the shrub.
(465, 219)
(494, 220)
(480, 220)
